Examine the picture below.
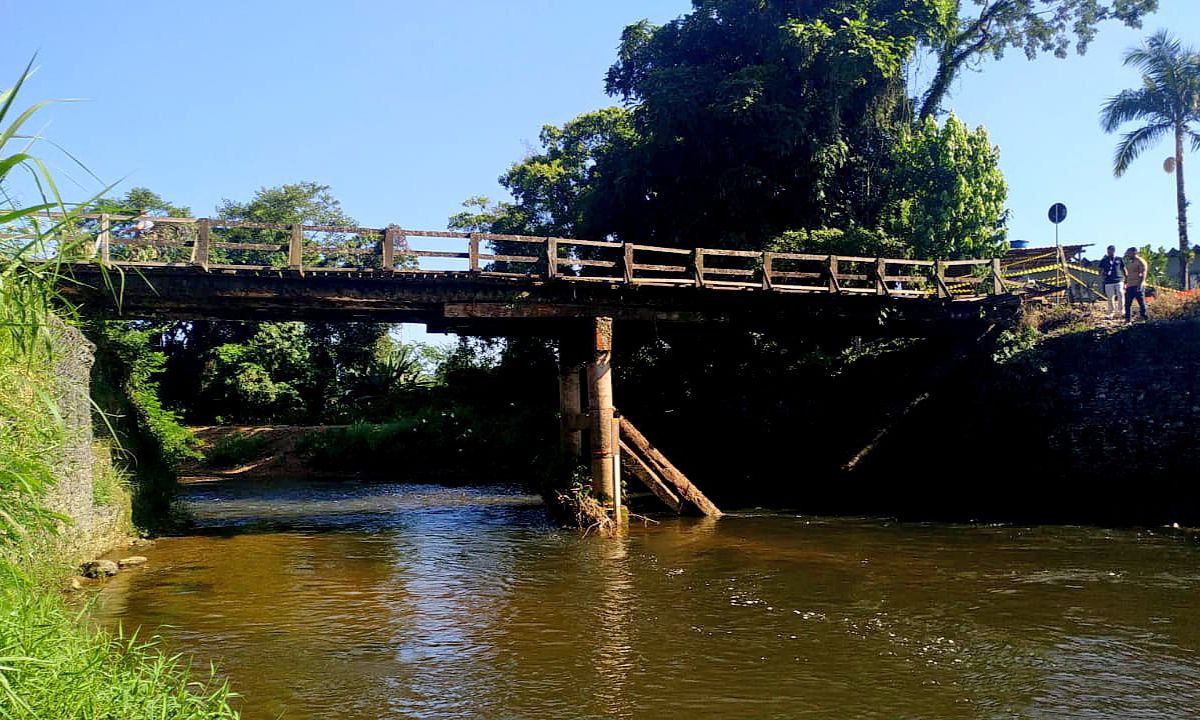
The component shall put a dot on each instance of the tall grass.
(51, 665)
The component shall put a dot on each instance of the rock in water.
(132, 561)
(99, 568)
(75, 585)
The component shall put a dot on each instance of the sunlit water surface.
(400, 601)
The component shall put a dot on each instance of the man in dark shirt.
(1112, 277)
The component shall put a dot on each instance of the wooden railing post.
(473, 252)
(997, 277)
(698, 266)
(551, 258)
(834, 285)
(627, 262)
(389, 247)
(880, 273)
(105, 238)
(200, 249)
(768, 259)
(296, 248)
(939, 277)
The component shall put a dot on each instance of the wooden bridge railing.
(214, 244)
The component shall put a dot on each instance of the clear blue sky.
(408, 108)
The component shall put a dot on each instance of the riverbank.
(1079, 420)
(63, 501)
(450, 451)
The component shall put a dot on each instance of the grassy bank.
(51, 664)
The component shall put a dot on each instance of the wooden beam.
(939, 279)
(643, 472)
(665, 470)
(473, 252)
(535, 310)
(551, 258)
(200, 250)
(296, 249)
(389, 247)
(105, 239)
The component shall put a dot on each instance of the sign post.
(1058, 213)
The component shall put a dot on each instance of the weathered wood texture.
(639, 468)
(600, 411)
(550, 258)
(663, 469)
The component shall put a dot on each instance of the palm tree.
(1169, 103)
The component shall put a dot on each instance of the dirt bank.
(1096, 422)
(254, 452)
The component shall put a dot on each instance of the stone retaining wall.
(92, 529)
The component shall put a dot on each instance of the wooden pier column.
(573, 354)
(600, 401)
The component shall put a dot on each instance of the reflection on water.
(392, 601)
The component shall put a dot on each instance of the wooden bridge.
(492, 284)
(484, 283)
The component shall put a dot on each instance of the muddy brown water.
(395, 601)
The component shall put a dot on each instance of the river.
(373, 601)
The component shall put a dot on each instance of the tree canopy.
(977, 29)
(750, 124)
(1166, 105)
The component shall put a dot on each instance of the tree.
(949, 193)
(1169, 104)
(978, 28)
(755, 118)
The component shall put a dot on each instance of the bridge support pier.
(573, 354)
(600, 411)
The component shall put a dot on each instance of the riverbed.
(369, 600)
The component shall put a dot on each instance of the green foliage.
(947, 192)
(31, 428)
(50, 665)
(765, 125)
(260, 379)
(143, 201)
(235, 449)
(306, 203)
(53, 667)
(838, 241)
(1014, 341)
(127, 364)
(490, 415)
(1167, 102)
(305, 374)
(757, 118)
(110, 483)
(973, 30)
(1156, 266)
(1166, 105)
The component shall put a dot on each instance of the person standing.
(1112, 277)
(1136, 271)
